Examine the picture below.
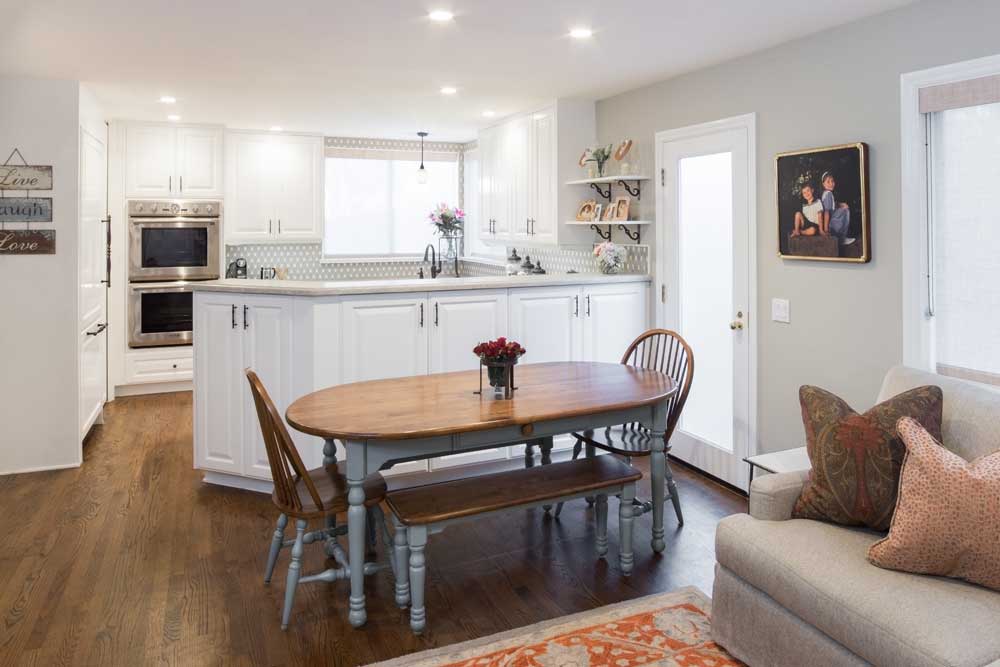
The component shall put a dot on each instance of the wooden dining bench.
(424, 509)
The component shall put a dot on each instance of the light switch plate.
(779, 311)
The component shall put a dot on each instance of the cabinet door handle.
(588, 305)
(576, 306)
(234, 315)
(181, 179)
(246, 322)
(527, 225)
(435, 313)
(279, 225)
(170, 183)
(421, 316)
(269, 222)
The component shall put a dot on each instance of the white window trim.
(918, 331)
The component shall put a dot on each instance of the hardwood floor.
(132, 560)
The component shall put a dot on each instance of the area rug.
(657, 630)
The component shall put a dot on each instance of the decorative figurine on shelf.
(620, 154)
(610, 258)
(598, 156)
(499, 357)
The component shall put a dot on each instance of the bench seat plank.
(470, 496)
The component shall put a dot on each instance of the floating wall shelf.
(622, 180)
(599, 225)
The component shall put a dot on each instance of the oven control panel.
(174, 208)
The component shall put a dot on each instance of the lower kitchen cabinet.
(612, 316)
(546, 322)
(384, 336)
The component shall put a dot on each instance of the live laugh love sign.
(25, 178)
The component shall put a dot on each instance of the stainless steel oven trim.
(135, 336)
(139, 273)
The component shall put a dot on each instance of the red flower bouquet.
(499, 357)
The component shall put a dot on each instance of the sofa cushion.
(856, 458)
(969, 426)
(819, 572)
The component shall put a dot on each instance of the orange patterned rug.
(657, 630)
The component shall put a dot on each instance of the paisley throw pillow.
(856, 458)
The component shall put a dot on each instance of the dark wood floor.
(132, 560)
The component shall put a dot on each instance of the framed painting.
(823, 204)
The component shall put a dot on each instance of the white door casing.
(703, 304)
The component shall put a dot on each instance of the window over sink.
(375, 206)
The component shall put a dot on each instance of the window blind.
(960, 94)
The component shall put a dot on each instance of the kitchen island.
(300, 336)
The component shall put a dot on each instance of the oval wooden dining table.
(385, 422)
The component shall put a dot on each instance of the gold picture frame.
(621, 208)
(823, 204)
(585, 213)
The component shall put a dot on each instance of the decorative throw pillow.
(946, 516)
(856, 458)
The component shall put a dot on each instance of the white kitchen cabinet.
(517, 135)
(542, 185)
(546, 321)
(163, 161)
(612, 316)
(275, 188)
(384, 336)
(236, 332)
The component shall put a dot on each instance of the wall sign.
(26, 209)
(28, 242)
(26, 177)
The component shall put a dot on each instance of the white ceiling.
(374, 67)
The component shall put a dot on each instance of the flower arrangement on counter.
(447, 220)
(610, 257)
(500, 350)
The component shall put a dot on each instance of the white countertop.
(342, 287)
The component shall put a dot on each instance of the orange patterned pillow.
(946, 519)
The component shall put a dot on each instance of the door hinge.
(663, 177)
(663, 292)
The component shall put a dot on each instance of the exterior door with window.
(705, 268)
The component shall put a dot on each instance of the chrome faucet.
(435, 264)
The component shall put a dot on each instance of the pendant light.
(422, 173)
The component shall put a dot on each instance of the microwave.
(173, 240)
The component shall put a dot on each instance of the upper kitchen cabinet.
(275, 188)
(163, 161)
(525, 161)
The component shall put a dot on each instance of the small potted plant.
(448, 223)
(499, 357)
(610, 258)
(599, 156)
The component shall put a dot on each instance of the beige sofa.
(797, 592)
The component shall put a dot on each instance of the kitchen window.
(375, 206)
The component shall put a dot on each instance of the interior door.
(93, 317)
(705, 267)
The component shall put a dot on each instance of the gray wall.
(846, 320)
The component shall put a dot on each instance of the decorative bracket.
(606, 195)
(628, 233)
(604, 235)
(635, 193)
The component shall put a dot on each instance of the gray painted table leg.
(602, 525)
(546, 444)
(401, 552)
(625, 518)
(329, 459)
(294, 570)
(356, 530)
(417, 536)
(276, 542)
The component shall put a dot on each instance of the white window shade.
(959, 94)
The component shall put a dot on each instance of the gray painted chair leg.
(591, 453)
(417, 537)
(602, 525)
(577, 448)
(331, 546)
(294, 570)
(625, 514)
(401, 552)
(276, 542)
(672, 489)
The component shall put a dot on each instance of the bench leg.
(417, 537)
(276, 542)
(625, 513)
(602, 525)
(294, 570)
(401, 552)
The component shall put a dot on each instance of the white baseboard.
(153, 388)
(238, 482)
(61, 466)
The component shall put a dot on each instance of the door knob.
(738, 322)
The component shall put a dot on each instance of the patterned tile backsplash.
(304, 262)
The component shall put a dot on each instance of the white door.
(298, 196)
(706, 231)
(220, 389)
(546, 321)
(93, 317)
(613, 316)
(384, 337)
(267, 347)
(542, 177)
(199, 162)
(459, 322)
(249, 200)
(149, 161)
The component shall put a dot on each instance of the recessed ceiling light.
(276, 128)
(174, 117)
(449, 90)
(581, 33)
(441, 15)
(489, 114)
(167, 99)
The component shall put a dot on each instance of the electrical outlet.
(779, 311)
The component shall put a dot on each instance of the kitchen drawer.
(160, 368)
